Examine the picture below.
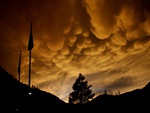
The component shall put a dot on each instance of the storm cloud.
(107, 41)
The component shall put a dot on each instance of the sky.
(108, 41)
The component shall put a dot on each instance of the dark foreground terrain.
(19, 97)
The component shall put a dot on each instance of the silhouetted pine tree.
(82, 92)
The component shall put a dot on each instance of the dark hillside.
(133, 101)
(16, 96)
(19, 97)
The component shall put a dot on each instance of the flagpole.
(30, 46)
(19, 66)
(29, 68)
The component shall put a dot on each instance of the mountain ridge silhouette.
(18, 97)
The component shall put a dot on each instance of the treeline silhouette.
(18, 97)
(82, 92)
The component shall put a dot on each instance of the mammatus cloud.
(107, 41)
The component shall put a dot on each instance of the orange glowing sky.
(108, 41)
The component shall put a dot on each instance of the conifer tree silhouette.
(82, 92)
